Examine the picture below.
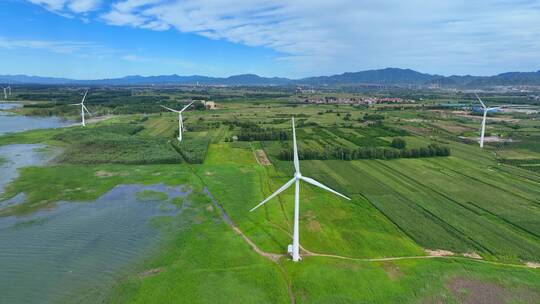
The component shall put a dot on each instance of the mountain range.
(388, 76)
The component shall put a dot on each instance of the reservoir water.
(73, 252)
(17, 156)
(10, 122)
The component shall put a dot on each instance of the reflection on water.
(61, 255)
(16, 123)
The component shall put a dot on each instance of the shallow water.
(18, 156)
(10, 122)
(68, 253)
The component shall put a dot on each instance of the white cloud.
(66, 6)
(322, 37)
(60, 47)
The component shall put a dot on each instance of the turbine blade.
(84, 97)
(316, 183)
(84, 107)
(283, 188)
(74, 104)
(186, 107)
(295, 149)
(483, 105)
(169, 109)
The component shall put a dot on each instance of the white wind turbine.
(294, 249)
(483, 128)
(83, 108)
(180, 121)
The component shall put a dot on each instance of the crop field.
(481, 206)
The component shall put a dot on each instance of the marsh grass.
(151, 196)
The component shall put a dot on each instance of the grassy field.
(471, 203)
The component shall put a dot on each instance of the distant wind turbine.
(483, 128)
(83, 108)
(294, 249)
(180, 121)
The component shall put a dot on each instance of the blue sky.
(87, 39)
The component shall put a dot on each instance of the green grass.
(440, 208)
(320, 280)
(204, 262)
(151, 195)
(330, 224)
(464, 203)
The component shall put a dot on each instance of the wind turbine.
(486, 110)
(180, 121)
(294, 249)
(83, 108)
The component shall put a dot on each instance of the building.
(209, 105)
(356, 100)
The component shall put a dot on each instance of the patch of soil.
(210, 208)
(150, 272)
(454, 128)
(103, 173)
(533, 265)
(393, 271)
(469, 291)
(98, 118)
(472, 255)
(310, 215)
(262, 158)
(439, 252)
(314, 226)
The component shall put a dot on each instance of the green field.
(477, 204)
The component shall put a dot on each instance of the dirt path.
(275, 257)
(227, 219)
(305, 252)
(528, 265)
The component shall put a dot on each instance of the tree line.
(252, 132)
(432, 150)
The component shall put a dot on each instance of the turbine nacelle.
(180, 120)
(483, 126)
(83, 108)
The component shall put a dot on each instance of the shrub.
(398, 143)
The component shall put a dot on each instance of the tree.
(398, 143)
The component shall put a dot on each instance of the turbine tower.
(294, 249)
(180, 121)
(5, 93)
(83, 108)
(483, 128)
